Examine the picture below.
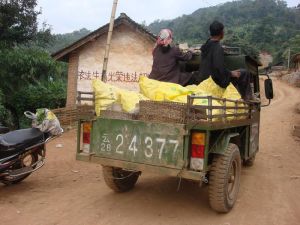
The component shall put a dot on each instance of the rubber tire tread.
(117, 185)
(218, 179)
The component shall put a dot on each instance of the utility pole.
(289, 57)
(110, 31)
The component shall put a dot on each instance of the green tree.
(254, 25)
(45, 94)
(25, 64)
(18, 21)
(289, 48)
(3, 111)
(21, 67)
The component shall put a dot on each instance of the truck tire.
(224, 179)
(118, 179)
(249, 162)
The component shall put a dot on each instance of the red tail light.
(197, 151)
(86, 136)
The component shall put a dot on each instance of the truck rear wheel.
(224, 179)
(118, 179)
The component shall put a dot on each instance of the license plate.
(140, 142)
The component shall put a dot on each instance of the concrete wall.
(130, 56)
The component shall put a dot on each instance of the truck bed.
(230, 113)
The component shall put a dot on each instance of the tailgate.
(157, 144)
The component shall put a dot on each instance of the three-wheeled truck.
(186, 141)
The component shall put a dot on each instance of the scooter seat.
(20, 139)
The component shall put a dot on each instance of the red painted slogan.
(111, 76)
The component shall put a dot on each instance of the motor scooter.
(22, 152)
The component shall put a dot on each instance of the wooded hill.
(60, 41)
(254, 25)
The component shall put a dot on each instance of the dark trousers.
(242, 84)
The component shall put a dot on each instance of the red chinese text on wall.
(117, 76)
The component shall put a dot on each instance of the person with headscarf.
(166, 59)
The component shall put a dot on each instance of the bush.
(3, 111)
(50, 94)
(25, 73)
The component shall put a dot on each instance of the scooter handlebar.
(30, 115)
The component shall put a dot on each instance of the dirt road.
(69, 192)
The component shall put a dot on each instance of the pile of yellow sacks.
(106, 94)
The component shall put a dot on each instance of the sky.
(66, 16)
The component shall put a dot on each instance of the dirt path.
(67, 192)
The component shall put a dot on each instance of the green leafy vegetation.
(44, 94)
(18, 21)
(3, 111)
(253, 25)
(30, 78)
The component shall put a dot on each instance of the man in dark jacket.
(212, 63)
(166, 60)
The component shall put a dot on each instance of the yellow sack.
(105, 95)
(197, 90)
(210, 88)
(202, 102)
(161, 91)
(130, 101)
(232, 93)
(193, 88)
